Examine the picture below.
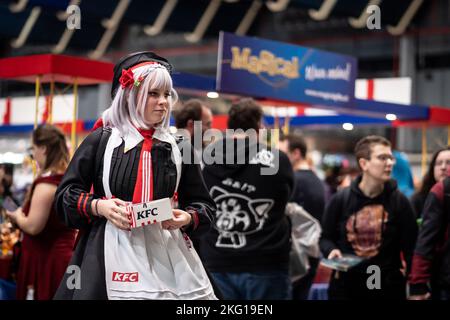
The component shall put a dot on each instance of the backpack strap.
(446, 199)
(179, 138)
(106, 133)
(393, 201)
(346, 193)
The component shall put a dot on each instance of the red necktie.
(143, 190)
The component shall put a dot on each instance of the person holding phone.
(47, 243)
(9, 204)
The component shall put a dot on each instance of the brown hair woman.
(47, 243)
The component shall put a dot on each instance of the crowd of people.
(228, 235)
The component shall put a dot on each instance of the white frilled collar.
(132, 139)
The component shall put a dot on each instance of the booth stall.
(40, 70)
(55, 69)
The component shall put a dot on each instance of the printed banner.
(269, 69)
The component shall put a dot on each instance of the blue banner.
(269, 69)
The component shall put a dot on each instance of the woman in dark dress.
(47, 243)
(131, 159)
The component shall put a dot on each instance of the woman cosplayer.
(132, 158)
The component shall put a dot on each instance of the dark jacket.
(251, 232)
(418, 202)
(380, 228)
(432, 253)
(74, 196)
(309, 192)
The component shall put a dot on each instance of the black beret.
(132, 60)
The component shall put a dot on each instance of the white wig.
(128, 106)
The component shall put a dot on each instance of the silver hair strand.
(128, 106)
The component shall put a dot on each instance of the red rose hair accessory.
(127, 78)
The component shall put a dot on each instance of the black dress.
(74, 196)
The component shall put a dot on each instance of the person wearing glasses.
(374, 221)
(131, 158)
(47, 243)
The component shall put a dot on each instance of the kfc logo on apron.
(125, 276)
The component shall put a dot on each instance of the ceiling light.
(391, 117)
(347, 126)
(212, 95)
